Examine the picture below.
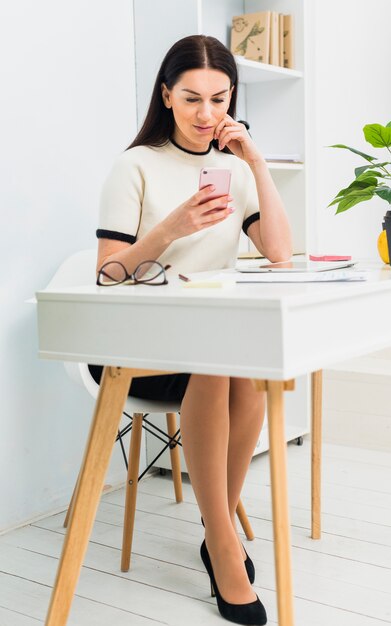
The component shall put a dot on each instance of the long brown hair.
(189, 53)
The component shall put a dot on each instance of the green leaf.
(370, 177)
(384, 192)
(388, 125)
(363, 168)
(365, 176)
(354, 198)
(359, 192)
(376, 173)
(365, 156)
(360, 183)
(377, 135)
(354, 187)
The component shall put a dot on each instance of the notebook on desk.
(300, 272)
(294, 267)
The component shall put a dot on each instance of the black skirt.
(164, 388)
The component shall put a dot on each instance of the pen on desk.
(185, 278)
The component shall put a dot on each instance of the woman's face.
(199, 101)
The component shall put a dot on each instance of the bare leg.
(246, 414)
(205, 436)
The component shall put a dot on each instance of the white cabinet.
(272, 99)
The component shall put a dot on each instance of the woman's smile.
(204, 129)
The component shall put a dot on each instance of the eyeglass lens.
(149, 272)
(112, 273)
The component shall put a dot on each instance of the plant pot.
(387, 228)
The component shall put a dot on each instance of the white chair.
(80, 269)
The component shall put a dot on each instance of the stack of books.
(266, 36)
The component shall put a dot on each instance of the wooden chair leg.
(245, 522)
(281, 528)
(131, 490)
(108, 411)
(175, 457)
(71, 504)
(316, 451)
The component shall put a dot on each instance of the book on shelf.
(265, 36)
(281, 40)
(250, 36)
(274, 55)
(288, 42)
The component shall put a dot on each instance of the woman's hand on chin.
(234, 135)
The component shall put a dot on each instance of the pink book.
(330, 257)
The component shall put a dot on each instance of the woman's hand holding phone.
(197, 213)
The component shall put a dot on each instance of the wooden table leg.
(278, 470)
(108, 410)
(316, 450)
(281, 528)
(245, 522)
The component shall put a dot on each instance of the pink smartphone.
(218, 177)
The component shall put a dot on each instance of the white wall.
(351, 87)
(67, 108)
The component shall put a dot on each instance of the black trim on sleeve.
(247, 222)
(113, 234)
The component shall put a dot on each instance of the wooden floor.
(342, 580)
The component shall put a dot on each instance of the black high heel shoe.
(252, 613)
(248, 564)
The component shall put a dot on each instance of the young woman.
(151, 210)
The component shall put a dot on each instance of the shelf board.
(256, 72)
(273, 165)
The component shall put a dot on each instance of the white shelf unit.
(270, 98)
(255, 72)
(273, 165)
(275, 108)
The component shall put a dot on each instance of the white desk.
(267, 332)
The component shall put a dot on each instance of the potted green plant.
(370, 180)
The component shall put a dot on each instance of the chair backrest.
(78, 269)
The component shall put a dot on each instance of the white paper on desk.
(225, 278)
(307, 277)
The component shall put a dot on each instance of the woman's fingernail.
(231, 209)
(212, 187)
